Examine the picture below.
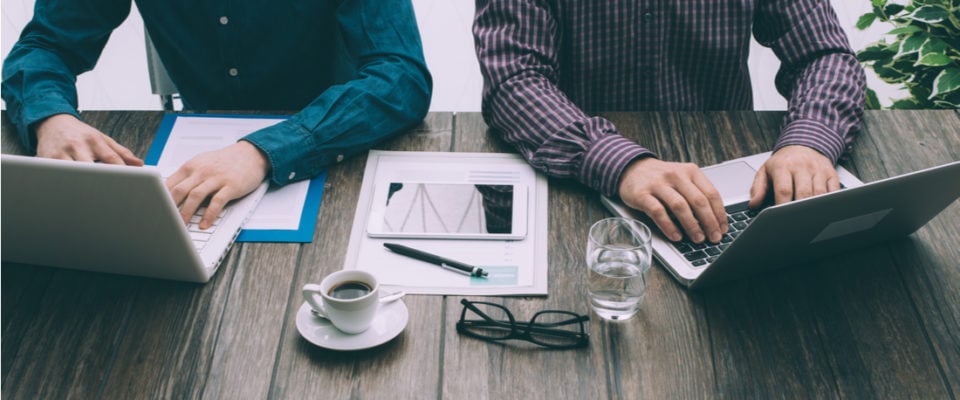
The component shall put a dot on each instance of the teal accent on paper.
(498, 276)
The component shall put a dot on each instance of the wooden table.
(877, 323)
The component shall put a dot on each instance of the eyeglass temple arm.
(524, 326)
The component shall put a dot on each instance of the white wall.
(120, 80)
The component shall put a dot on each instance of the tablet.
(449, 210)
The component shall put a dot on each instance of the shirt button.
(339, 157)
(647, 16)
(233, 72)
(291, 176)
(224, 20)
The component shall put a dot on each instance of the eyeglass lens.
(492, 322)
(554, 328)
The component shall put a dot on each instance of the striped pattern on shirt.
(548, 64)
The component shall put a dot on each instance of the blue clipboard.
(308, 217)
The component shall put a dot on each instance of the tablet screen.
(449, 210)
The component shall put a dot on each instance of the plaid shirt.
(547, 64)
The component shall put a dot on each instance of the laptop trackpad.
(732, 179)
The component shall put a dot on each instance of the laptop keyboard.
(199, 236)
(700, 255)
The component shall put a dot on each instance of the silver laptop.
(108, 218)
(803, 230)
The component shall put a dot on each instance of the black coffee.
(349, 290)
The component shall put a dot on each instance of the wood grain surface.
(881, 322)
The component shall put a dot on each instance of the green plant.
(924, 58)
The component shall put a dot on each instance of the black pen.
(435, 259)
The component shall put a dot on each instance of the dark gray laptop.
(803, 230)
(108, 218)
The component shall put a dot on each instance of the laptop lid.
(105, 218)
(791, 233)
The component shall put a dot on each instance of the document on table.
(515, 267)
(286, 214)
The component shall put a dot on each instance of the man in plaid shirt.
(547, 64)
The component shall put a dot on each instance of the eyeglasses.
(548, 328)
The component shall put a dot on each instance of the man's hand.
(660, 188)
(65, 137)
(795, 172)
(221, 175)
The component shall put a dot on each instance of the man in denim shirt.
(354, 69)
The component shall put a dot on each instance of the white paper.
(516, 267)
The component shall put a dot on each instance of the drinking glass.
(618, 259)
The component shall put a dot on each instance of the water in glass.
(618, 258)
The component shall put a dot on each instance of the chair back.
(160, 82)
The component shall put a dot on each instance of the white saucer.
(389, 322)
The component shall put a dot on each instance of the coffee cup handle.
(311, 293)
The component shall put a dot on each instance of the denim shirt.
(354, 68)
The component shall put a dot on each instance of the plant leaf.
(946, 105)
(920, 93)
(878, 8)
(911, 44)
(906, 104)
(892, 9)
(934, 46)
(890, 75)
(955, 21)
(872, 102)
(934, 60)
(874, 52)
(866, 20)
(946, 82)
(930, 14)
(905, 29)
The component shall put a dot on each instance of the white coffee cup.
(348, 298)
